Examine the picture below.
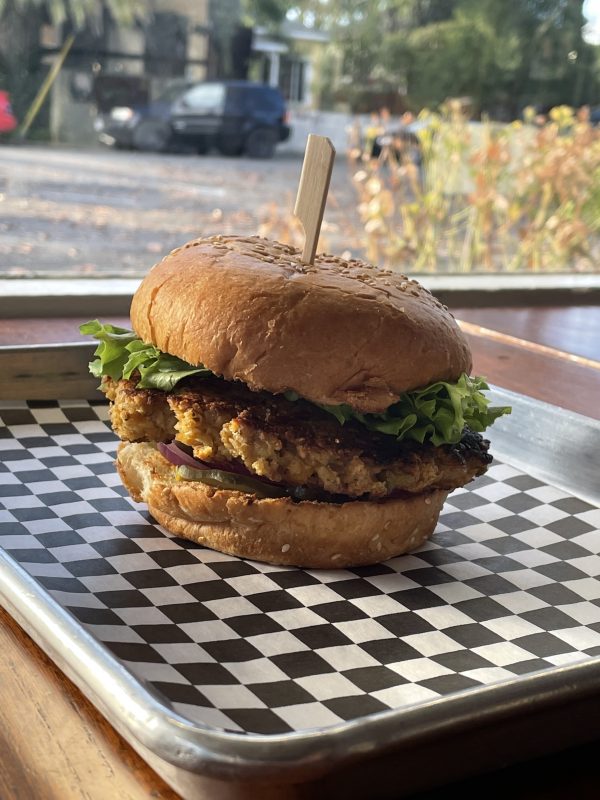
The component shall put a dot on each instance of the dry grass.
(276, 221)
(518, 197)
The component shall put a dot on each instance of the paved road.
(115, 213)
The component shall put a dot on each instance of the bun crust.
(334, 332)
(278, 531)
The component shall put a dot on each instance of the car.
(234, 116)
(402, 142)
(8, 121)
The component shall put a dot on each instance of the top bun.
(334, 332)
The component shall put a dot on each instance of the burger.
(311, 415)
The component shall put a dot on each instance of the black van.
(233, 116)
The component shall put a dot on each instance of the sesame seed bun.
(334, 332)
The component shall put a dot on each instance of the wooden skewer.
(312, 191)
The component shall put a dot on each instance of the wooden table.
(54, 745)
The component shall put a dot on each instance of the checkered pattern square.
(508, 585)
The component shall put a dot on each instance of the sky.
(591, 9)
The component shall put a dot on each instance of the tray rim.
(146, 719)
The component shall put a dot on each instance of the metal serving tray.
(241, 679)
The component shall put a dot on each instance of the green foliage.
(466, 43)
(264, 12)
(504, 54)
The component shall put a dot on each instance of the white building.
(288, 60)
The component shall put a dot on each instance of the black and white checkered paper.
(508, 585)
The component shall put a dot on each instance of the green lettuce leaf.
(120, 353)
(437, 413)
(111, 354)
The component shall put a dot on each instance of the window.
(461, 153)
(166, 45)
(205, 98)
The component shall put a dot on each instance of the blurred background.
(467, 131)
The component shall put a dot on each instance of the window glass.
(205, 98)
(172, 92)
(467, 131)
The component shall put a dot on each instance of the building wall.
(198, 17)
(336, 126)
(71, 119)
(130, 41)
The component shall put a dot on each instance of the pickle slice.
(230, 481)
(233, 482)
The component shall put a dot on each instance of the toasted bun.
(336, 332)
(278, 531)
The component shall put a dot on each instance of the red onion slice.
(179, 457)
(175, 453)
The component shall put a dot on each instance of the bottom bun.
(277, 530)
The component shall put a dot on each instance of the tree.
(427, 12)
(360, 30)
(269, 13)
(452, 58)
(504, 54)
(555, 64)
(371, 37)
